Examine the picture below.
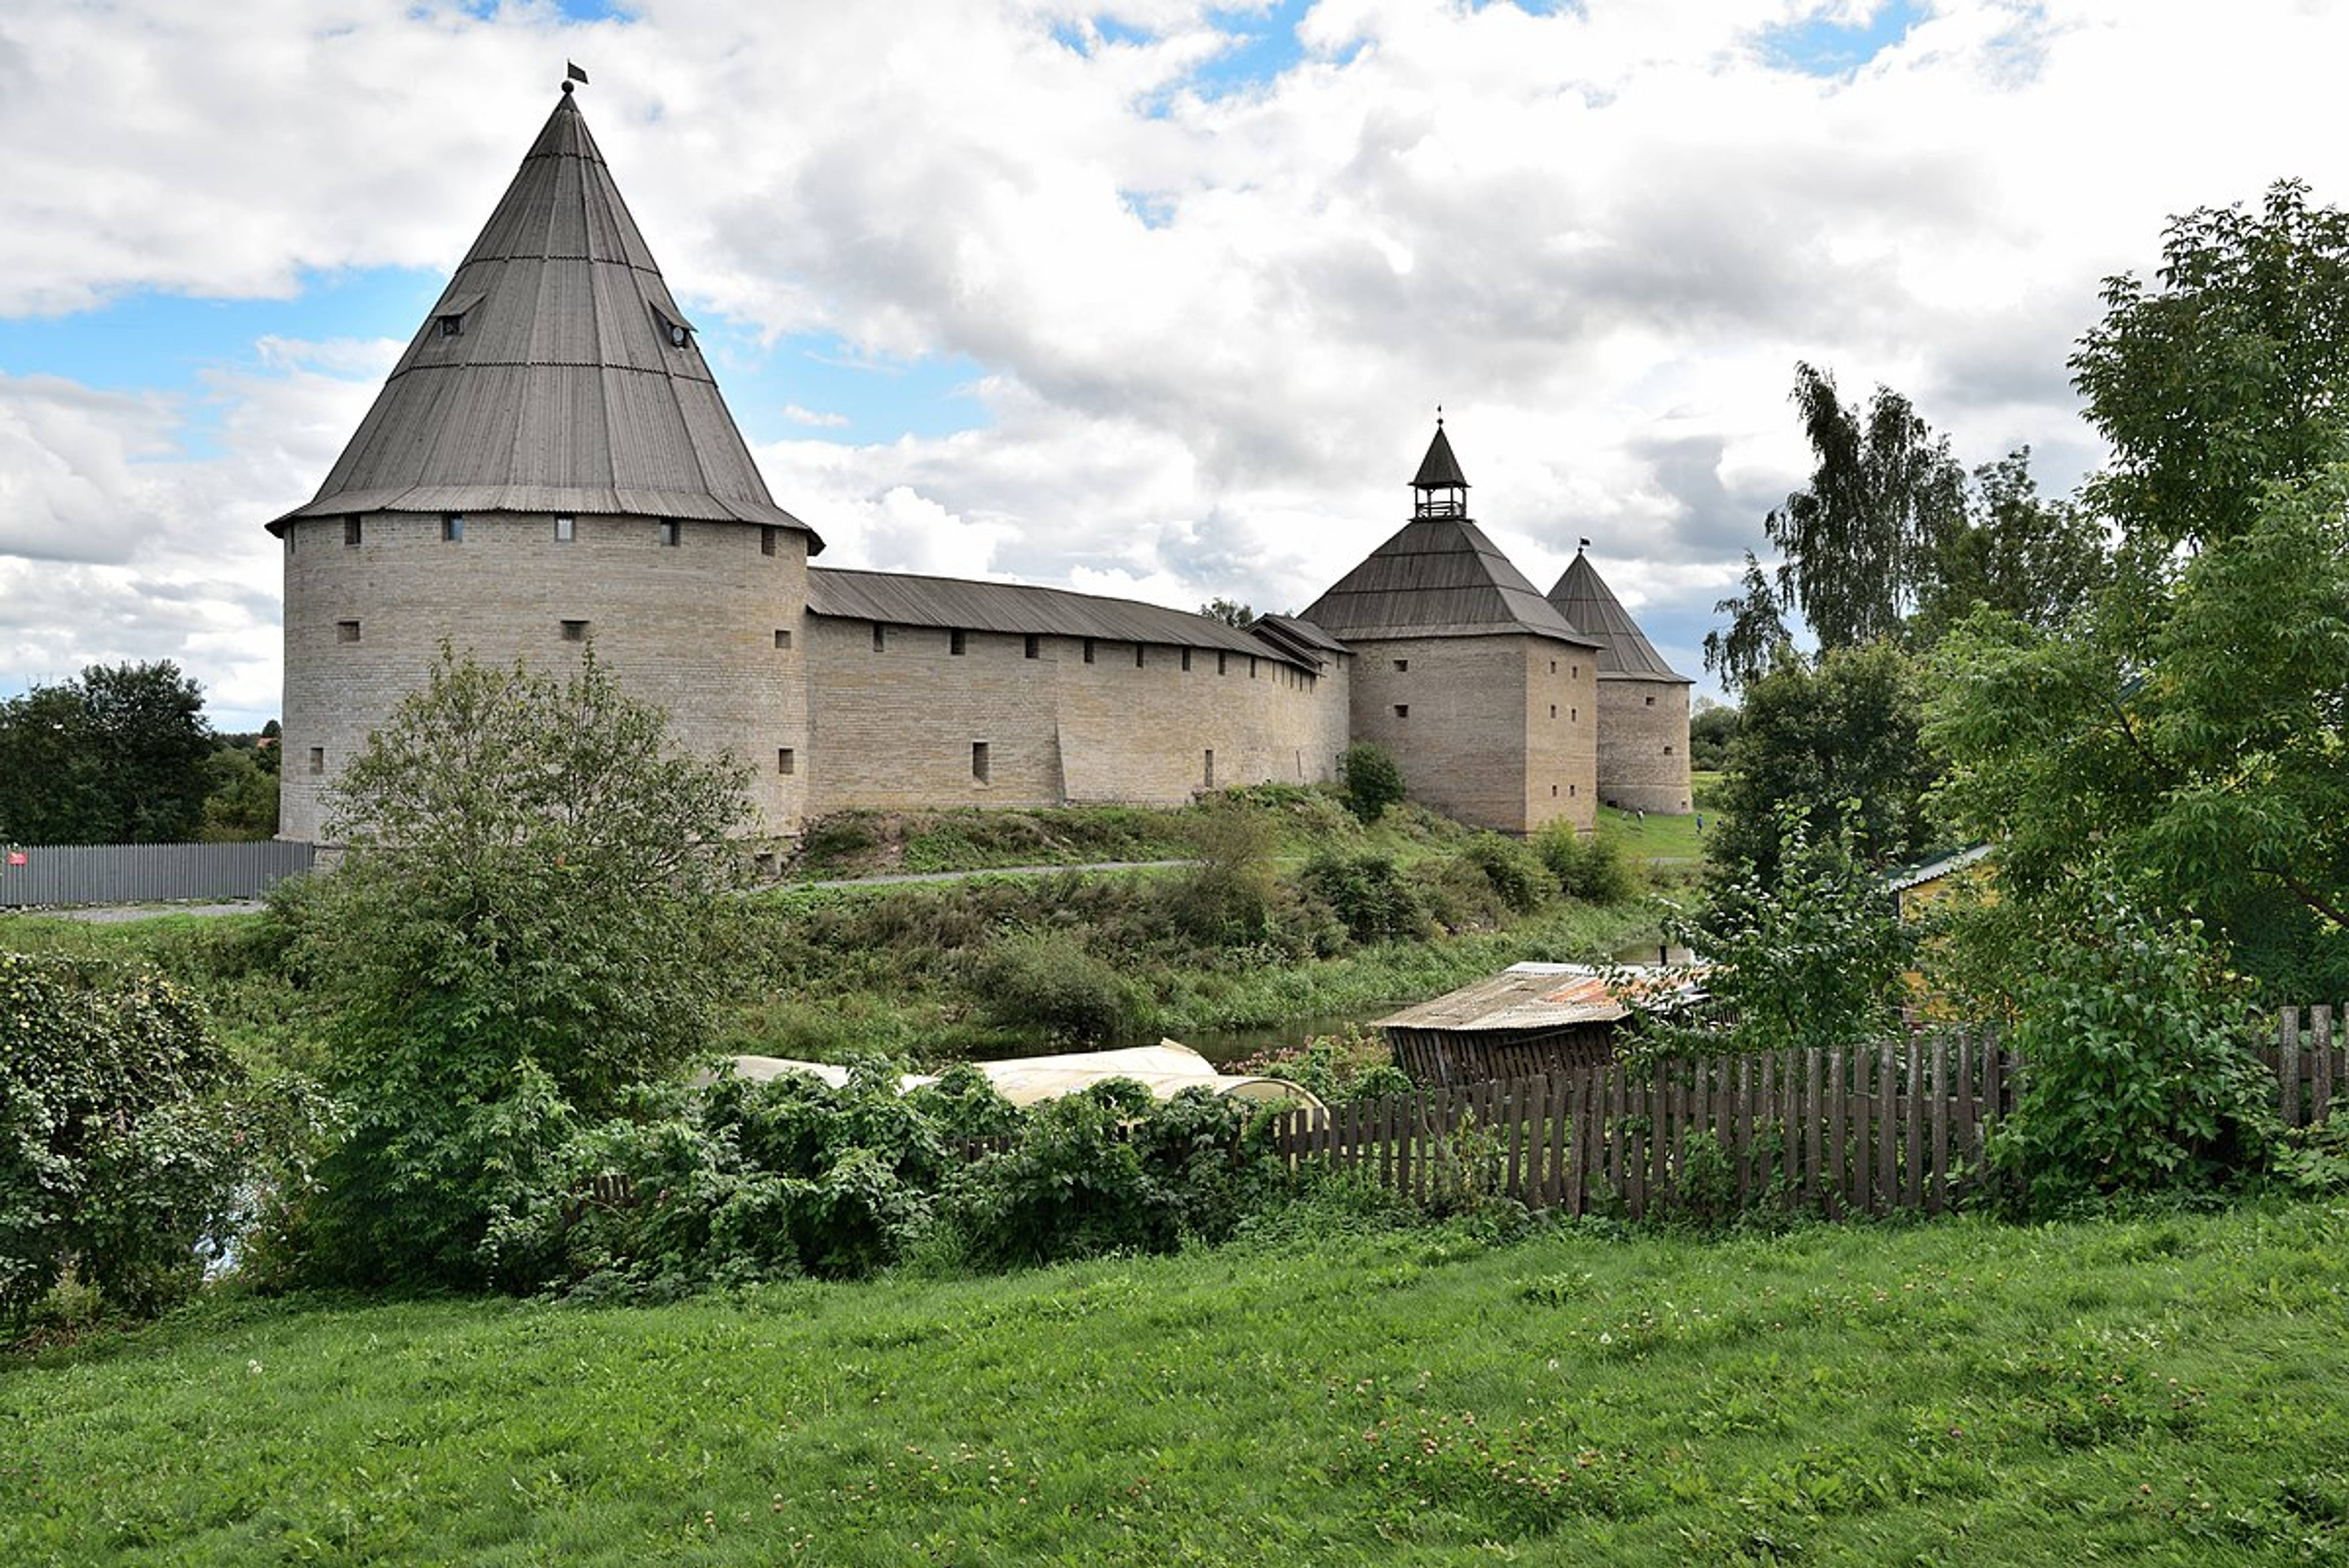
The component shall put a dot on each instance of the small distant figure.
(1641, 817)
(1700, 824)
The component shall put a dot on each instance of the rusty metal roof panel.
(1583, 598)
(560, 386)
(1550, 995)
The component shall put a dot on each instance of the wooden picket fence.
(1839, 1132)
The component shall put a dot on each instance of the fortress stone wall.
(1643, 740)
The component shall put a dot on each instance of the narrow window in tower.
(452, 527)
(786, 760)
(1138, 653)
(1553, 791)
(564, 529)
(1251, 667)
(1553, 709)
(352, 531)
(317, 759)
(1223, 662)
(1651, 702)
(1186, 659)
(1403, 710)
(880, 636)
(347, 631)
(783, 638)
(1668, 748)
(1088, 651)
(954, 642)
(451, 326)
(1031, 647)
(1210, 775)
(767, 532)
(574, 631)
(1401, 665)
(671, 532)
(978, 761)
(1553, 669)
(1574, 715)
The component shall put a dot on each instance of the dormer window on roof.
(451, 316)
(675, 330)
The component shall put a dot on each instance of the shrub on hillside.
(1593, 868)
(120, 1159)
(1227, 896)
(1518, 876)
(1047, 982)
(1368, 893)
(1370, 779)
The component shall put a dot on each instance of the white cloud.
(1601, 237)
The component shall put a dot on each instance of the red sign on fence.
(17, 857)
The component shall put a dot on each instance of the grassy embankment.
(2168, 1390)
(908, 970)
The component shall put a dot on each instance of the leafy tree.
(1757, 637)
(1811, 958)
(1369, 778)
(116, 756)
(2195, 725)
(1230, 612)
(1711, 728)
(2037, 560)
(241, 795)
(2227, 374)
(1864, 538)
(1840, 740)
(530, 920)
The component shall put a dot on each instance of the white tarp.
(1165, 1069)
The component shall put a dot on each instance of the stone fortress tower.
(1483, 692)
(549, 461)
(550, 464)
(1643, 706)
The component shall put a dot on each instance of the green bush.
(1519, 877)
(119, 1155)
(1227, 897)
(1367, 894)
(1370, 779)
(2138, 1074)
(1592, 868)
(1046, 982)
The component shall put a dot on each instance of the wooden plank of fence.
(1570, 1097)
(1741, 1131)
(1937, 1198)
(1969, 1108)
(2321, 1091)
(1811, 1128)
(1838, 1103)
(1913, 1135)
(1888, 1131)
(1789, 1108)
(1634, 1141)
(2288, 1067)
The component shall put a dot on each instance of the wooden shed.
(1531, 1018)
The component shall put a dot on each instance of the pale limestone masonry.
(690, 626)
(1501, 730)
(550, 465)
(1644, 739)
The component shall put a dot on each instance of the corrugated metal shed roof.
(1583, 598)
(1547, 996)
(545, 379)
(1438, 576)
(897, 599)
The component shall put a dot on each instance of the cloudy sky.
(1154, 298)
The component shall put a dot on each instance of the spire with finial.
(1443, 488)
(572, 73)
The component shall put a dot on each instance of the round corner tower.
(550, 463)
(1643, 705)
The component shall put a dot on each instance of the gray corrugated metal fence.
(145, 873)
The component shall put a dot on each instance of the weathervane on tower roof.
(572, 73)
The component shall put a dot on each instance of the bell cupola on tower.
(1442, 489)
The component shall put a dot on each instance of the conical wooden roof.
(1624, 652)
(1439, 470)
(1437, 577)
(556, 374)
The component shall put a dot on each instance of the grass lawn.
(2163, 1390)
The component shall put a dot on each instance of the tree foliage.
(1230, 612)
(1755, 637)
(2195, 725)
(1811, 957)
(528, 922)
(114, 757)
(1369, 778)
(2040, 561)
(116, 1153)
(1863, 539)
(1840, 740)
